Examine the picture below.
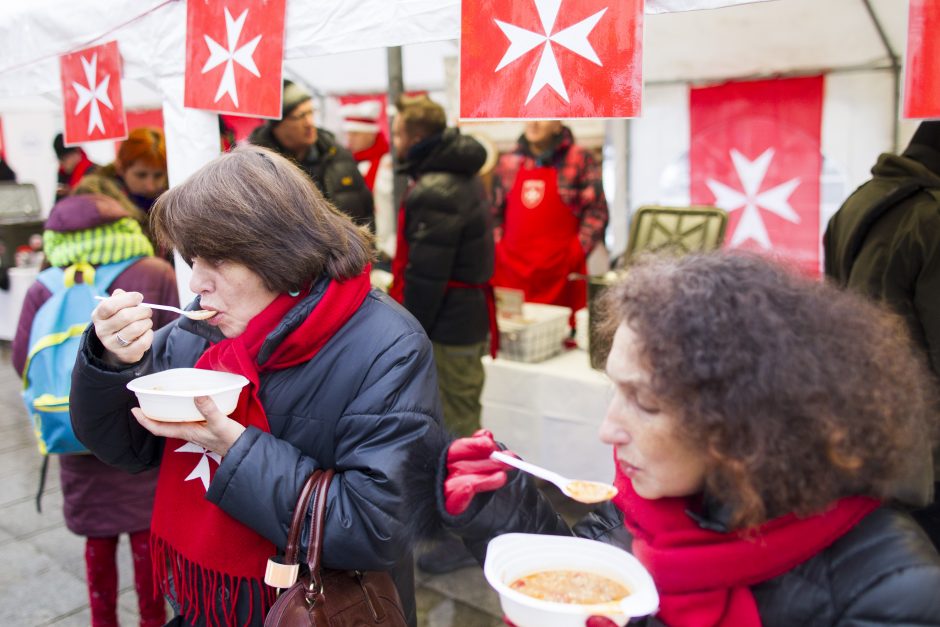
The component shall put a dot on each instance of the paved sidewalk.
(43, 580)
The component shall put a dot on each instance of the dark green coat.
(895, 258)
(899, 258)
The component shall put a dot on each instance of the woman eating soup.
(340, 377)
(760, 424)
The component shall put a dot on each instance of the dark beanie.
(58, 144)
(293, 96)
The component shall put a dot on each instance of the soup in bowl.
(557, 581)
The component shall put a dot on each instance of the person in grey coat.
(340, 377)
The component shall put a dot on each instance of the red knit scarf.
(373, 154)
(201, 547)
(79, 170)
(704, 577)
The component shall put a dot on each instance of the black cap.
(58, 144)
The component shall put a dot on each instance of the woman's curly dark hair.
(800, 393)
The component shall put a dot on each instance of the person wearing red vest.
(549, 213)
(759, 422)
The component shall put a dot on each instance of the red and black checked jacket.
(579, 184)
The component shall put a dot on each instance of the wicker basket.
(537, 336)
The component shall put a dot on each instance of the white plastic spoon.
(577, 489)
(198, 314)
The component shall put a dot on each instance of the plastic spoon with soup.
(577, 489)
(195, 314)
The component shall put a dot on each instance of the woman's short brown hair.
(799, 393)
(255, 207)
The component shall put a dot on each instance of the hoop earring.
(293, 293)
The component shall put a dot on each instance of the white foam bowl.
(168, 395)
(516, 555)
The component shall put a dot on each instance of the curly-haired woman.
(760, 422)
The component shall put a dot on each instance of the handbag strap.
(300, 513)
(317, 523)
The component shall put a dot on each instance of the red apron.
(540, 245)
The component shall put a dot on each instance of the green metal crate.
(684, 229)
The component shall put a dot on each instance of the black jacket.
(366, 405)
(883, 572)
(447, 226)
(334, 171)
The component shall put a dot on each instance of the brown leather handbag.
(322, 597)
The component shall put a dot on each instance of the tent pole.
(895, 70)
(396, 86)
(192, 140)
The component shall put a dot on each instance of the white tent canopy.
(338, 47)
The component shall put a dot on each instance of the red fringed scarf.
(704, 577)
(372, 154)
(80, 169)
(201, 547)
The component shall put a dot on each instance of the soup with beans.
(591, 491)
(570, 586)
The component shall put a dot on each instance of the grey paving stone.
(36, 590)
(22, 520)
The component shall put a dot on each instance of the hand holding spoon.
(579, 490)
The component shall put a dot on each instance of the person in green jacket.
(885, 242)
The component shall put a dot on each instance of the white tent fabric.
(338, 47)
(784, 36)
(151, 37)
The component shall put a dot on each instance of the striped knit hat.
(93, 228)
(106, 243)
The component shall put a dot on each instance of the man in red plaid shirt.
(549, 213)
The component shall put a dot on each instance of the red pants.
(102, 576)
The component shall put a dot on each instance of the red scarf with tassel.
(193, 541)
(704, 577)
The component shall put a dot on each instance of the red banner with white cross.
(756, 153)
(551, 58)
(922, 69)
(91, 94)
(234, 52)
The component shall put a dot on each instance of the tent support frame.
(895, 70)
(396, 86)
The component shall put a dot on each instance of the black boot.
(445, 557)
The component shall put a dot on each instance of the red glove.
(592, 621)
(470, 470)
